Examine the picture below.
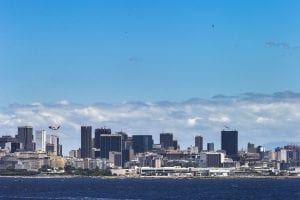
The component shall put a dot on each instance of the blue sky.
(115, 51)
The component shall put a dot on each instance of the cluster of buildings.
(138, 155)
(23, 152)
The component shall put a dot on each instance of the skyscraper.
(40, 140)
(199, 143)
(210, 146)
(166, 140)
(142, 143)
(25, 137)
(229, 142)
(110, 142)
(98, 133)
(86, 141)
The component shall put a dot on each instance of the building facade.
(86, 141)
(199, 143)
(25, 136)
(40, 140)
(166, 140)
(142, 143)
(229, 142)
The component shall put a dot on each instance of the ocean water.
(107, 189)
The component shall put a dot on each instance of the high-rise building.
(142, 143)
(98, 133)
(53, 139)
(166, 140)
(25, 137)
(112, 142)
(229, 142)
(86, 141)
(210, 146)
(199, 143)
(41, 140)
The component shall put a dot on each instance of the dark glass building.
(229, 142)
(199, 143)
(210, 146)
(25, 137)
(112, 142)
(142, 143)
(98, 133)
(86, 141)
(166, 140)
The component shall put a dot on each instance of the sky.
(122, 52)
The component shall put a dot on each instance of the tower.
(25, 137)
(86, 141)
(229, 142)
(199, 143)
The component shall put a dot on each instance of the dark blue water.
(95, 188)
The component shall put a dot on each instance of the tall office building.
(40, 140)
(210, 146)
(199, 143)
(229, 142)
(25, 137)
(166, 140)
(98, 133)
(54, 140)
(112, 142)
(142, 143)
(86, 141)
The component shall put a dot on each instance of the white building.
(281, 155)
(40, 140)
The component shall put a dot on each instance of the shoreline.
(151, 177)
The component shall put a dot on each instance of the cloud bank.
(259, 118)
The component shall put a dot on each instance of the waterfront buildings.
(120, 151)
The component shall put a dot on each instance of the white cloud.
(193, 121)
(219, 118)
(258, 118)
(264, 120)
